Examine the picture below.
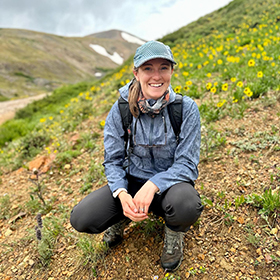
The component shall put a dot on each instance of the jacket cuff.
(116, 193)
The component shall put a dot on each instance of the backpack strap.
(175, 114)
(126, 119)
(126, 122)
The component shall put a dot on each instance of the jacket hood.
(124, 92)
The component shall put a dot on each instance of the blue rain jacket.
(156, 155)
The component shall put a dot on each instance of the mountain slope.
(33, 62)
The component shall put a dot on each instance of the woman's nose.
(156, 74)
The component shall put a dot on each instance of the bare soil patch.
(8, 108)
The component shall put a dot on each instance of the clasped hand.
(136, 208)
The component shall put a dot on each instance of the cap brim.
(154, 57)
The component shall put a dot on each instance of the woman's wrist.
(122, 193)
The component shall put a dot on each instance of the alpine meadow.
(51, 156)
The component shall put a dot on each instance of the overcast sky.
(147, 19)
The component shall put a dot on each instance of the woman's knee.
(96, 211)
(182, 206)
(81, 222)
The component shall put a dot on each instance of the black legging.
(180, 206)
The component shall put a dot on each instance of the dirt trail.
(9, 108)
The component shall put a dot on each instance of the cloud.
(146, 19)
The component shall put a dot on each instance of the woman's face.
(154, 77)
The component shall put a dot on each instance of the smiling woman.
(156, 171)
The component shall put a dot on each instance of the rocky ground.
(230, 241)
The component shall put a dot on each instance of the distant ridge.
(34, 62)
(117, 35)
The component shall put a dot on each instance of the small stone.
(259, 251)
(226, 265)
(201, 257)
(268, 259)
(67, 166)
(252, 272)
(8, 232)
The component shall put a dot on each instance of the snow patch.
(132, 39)
(115, 57)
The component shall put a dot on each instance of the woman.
(160, 173)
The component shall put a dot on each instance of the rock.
(42, 163)
(8, 232)
(67, 166)
(268, 259)
(226, 265)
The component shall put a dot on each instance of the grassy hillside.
(34, 62)
(232, 71)
(226, 19)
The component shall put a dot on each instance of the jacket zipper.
(151, 143)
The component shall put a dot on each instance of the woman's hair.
(133, 94)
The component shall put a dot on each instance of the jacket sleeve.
(186, 157)
(114, 151)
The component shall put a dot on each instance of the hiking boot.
(172, 254)
(114, 234)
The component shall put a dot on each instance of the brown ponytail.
(133, 95)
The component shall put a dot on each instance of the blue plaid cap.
(152, 50)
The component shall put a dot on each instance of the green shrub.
(14, 129)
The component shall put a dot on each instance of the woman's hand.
(144, 197)
(129, 208)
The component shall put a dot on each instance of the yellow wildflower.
(221, 103)
(178, 89)
(220, 61)
(189, 83)
(248, 92)
(42, 120)
(208, 86)
(240, 84)
(225, 87)
(251, 63)
(213, 89)
(260, 74)
(233, 79)
(209, 75)
(102, 123)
